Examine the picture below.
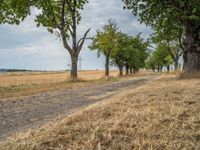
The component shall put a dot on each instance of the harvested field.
(30, 78)
(164, 114)
(24, 84)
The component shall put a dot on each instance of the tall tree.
(120, 53)
(105, 41)
(60, 16)
(181, 12)
(63, 17)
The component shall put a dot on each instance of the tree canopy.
(14, 11)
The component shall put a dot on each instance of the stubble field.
(27, 83)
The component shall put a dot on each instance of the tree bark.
(107, 60)
(192, 49)
(74, 68)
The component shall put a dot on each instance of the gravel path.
(19, 114)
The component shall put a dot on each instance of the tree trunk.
(127, 70)
(134, 71)
(158, 68)
(176, 65)
(74, 64)
(168, 68)
(131, 70)
(74, 55)
(192, 49)
(120, 71)
(107, 60)
(161, 68)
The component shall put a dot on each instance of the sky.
(34, 48)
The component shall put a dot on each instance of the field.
(164, 114)
(22, 84)
(29, 78)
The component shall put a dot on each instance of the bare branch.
(82, 40)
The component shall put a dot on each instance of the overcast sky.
(28, 47)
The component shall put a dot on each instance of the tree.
(63, 17)
(130, 52)
(174, 39)
(163, 14)
(151, 63)
(120, 53)
(105, 42)
(161, 57)
(137, 54)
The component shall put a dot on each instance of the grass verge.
(161, 115)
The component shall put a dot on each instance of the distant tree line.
(14, 70)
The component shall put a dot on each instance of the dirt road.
(20, 114)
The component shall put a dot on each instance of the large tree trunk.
(74, 66)
(107, 60)
(192, 49)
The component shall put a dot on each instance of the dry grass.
(23, 84)
(189, 76)
(162, 115)
(14, 79)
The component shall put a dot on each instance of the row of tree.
(176, 24)
(120, 49)
(173, 20)
(159, 58)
